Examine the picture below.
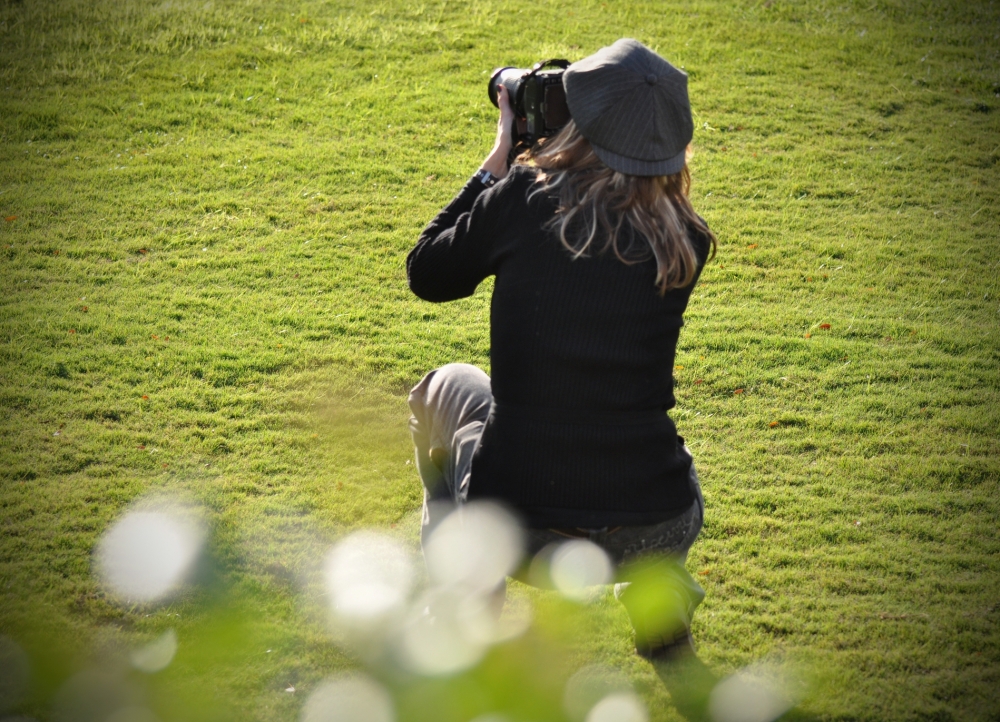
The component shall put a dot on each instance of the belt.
(599, 417)
(595, 535)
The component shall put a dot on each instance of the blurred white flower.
(446, 632)
(468, 557)
(577, 567)
(156, 655)
(369, 577)
(619, 707)
(758, 693)
(149, 552)
(349, 698)
(475, 547)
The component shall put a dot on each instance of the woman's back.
(583, 335)
(582, 356)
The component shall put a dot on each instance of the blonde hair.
(596, 204)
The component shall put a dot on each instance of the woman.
(595, 248)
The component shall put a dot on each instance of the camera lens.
(508, 77)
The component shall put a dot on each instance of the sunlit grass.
(207, 210)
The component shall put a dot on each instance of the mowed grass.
(207, 209)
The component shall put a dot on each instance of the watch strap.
(486, 178)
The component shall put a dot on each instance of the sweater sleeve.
(456, 251)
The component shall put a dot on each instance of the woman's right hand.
(496, 161)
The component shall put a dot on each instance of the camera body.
(537, 96)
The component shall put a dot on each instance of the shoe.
(678, 647)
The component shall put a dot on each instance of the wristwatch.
(486, 178)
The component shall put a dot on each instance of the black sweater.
(582, 355)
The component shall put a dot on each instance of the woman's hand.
(496, 161)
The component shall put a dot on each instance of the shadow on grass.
(701, 696)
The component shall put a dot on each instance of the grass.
(207, 210)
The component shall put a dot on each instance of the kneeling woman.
(595, 248)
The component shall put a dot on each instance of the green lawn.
(207, 209)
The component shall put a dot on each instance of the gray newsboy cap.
(632, 105)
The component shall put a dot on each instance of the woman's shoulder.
(516, 188)
(522, 175)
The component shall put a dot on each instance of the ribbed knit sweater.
(582, 356)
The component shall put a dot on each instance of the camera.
(537, 96)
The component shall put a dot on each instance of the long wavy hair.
(600, 208)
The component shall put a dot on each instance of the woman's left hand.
(496, 161)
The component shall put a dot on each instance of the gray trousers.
(450, 406)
